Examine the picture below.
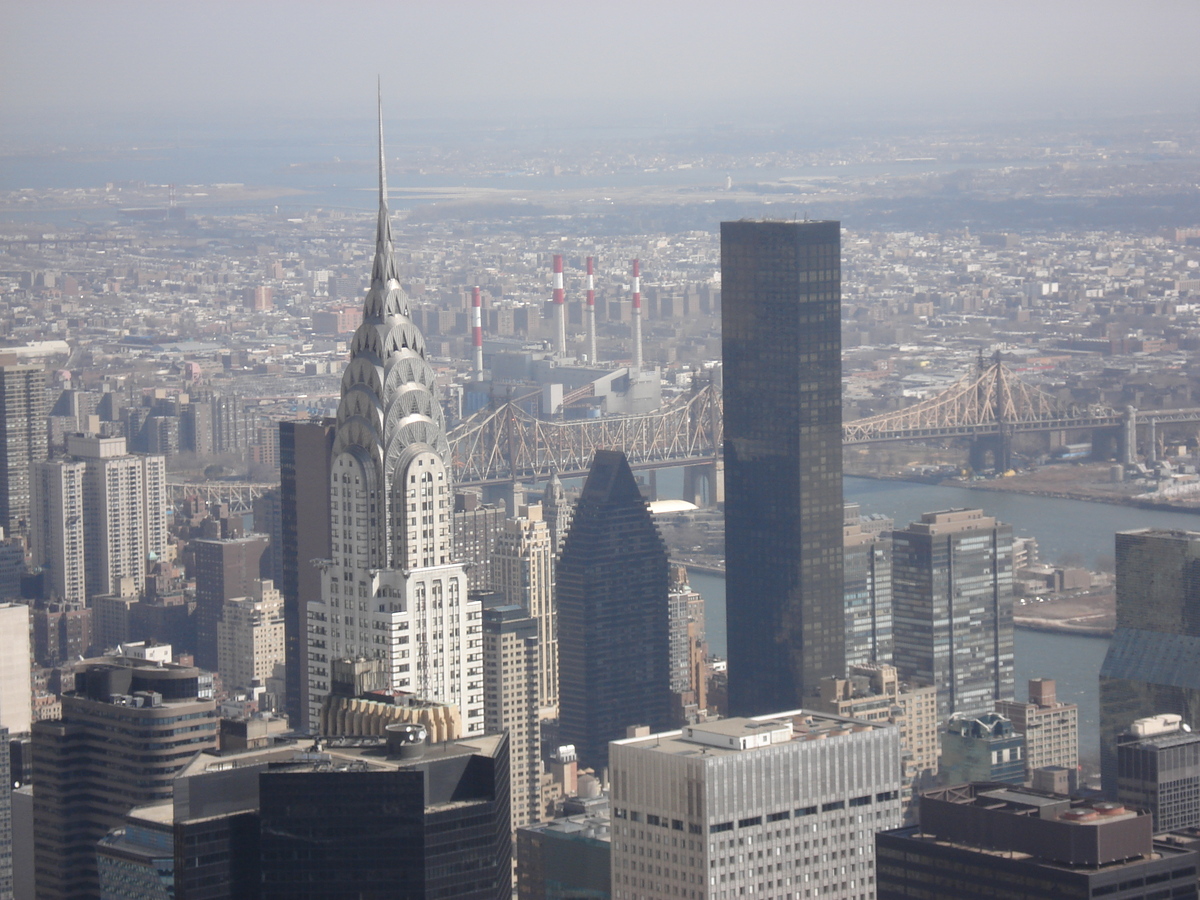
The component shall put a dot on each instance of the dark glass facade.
(613, 629)
(1153, 662)
(781, 343)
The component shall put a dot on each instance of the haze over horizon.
(141, 70)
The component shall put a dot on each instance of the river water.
(1062, 527)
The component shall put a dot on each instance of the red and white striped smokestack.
(560, 309)
(477, 332)
(637, 315)
(591, 309)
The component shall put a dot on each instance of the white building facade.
(783, 806)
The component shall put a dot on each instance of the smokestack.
(477, 332)
(591, 310)
(560, 306)
(637, 315)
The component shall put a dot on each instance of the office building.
(565, 859)
(476, 527)
(1153, 661)
(613, 629)
(1051, 727)
(952, 603)
(781, 346)
(126, 730)
(511, 669)
(876, 694)
(982, 748)
(137, 860)
(867, 568)
(692, 809)
(224, 569)
(522, 561)
(16, 697)
(250, 638)
(62, 633)
(435, 822)
(99, 518)
(23, 412)
(304, 448)
(557, 511)
(12, 566)
(1158, 769)
(993, 840)
(689, 651)
(393, 592)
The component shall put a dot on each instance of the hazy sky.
(207, 61)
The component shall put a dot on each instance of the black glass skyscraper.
(613, 611)
(781, 342)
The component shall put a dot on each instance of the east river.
(1063, 528)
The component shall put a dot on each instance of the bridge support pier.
(704, 485)
(1129, 437)
(997, 446)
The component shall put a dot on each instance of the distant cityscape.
(335, 562)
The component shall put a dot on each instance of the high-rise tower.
(613, 615)
(781, 343)
(22, 440)
(392, 591)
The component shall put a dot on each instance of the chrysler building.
(393, 598)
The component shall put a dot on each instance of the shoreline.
(998, 486)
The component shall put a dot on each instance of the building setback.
(769, 807)
(953, 607)
(613, 630)
(781, 346)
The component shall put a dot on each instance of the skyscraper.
(1051, 728)
(1153, 662)
(22, 440)
(99, 514)
(16, 710)
(1158, 768)
(392, 590)
(128, 727)
(304, 448)
(521, 571)
(510, 670)
(613, 631)
(224, 569)
(953, 608)
(867, 564)
(781, 344)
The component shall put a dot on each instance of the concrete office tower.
(867, 567)
(982, 748)
(781, 343)
(613, 629)
(16, 697)
(393, 591)
(126, 730)
(1153, 662)
(100, 517)
(807, 791)
(250, 637)
(952, 605)
(875, 694)
(557, 511)
(23, 412)
(522, 570)
(510, 673)
(476, 525)
(985, 841)
(1051, 728)
(405, 820)
(225, 568)
(304, 448)
(1158, 768)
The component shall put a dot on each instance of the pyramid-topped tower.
(394, 607)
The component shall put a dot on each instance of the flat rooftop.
(724, 737)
